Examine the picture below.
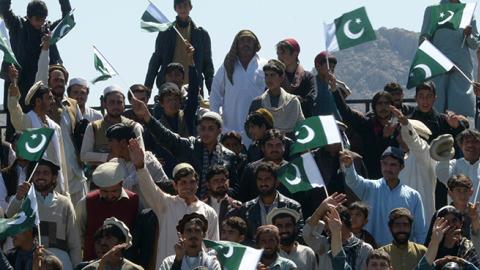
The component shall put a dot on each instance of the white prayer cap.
(78, 81)
(112, 88)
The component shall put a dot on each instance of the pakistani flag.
(8, 55)
(427, 63)
(350, 29)
(153, 19)
(62, 29)
(314, 132)
(452, 16)
(301, 174)
(33, 142)
(103, 66)
(26, 219)
(234, 256)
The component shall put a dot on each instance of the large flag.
(8, 55)
(452, 16)
(427, 63)
(62, 29)
(315, 131)
(103, 66)
(301, 174)
(26, 219)
(33, 142)
(234, 256)
(350, 29)
(153, 19)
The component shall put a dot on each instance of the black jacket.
(190, 150)
(250, 212)
(165, 49)
(25, 41)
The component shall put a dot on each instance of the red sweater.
(98, 210)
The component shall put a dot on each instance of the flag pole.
(105, 59)
(463, 74)
(39, 235)
(173, 25)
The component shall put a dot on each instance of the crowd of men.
(141, 188)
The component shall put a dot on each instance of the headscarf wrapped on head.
(232, 55)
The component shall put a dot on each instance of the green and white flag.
(103, 66)
(427, 63)
(153, 20)
(234, 256)
(350, 29)
(314, 132)
(63, 27)
(8, 55)
(452, 16)
(26, 219)
(33, 142)
(301, 174)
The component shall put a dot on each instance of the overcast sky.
(114, 27)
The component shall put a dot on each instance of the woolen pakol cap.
(441, 149)
(181, 166)
(108, 174)
(32, 91)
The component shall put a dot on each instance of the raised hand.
(333, 220)
(346, 159)
(467, 31)
(114, 255)
(401, 118)
(332, 81)
(333, 200)
(190, 53)
(179, 248)
(439, 228)
(46, 42)
(22, 190)
(137, 155)
(140, 109)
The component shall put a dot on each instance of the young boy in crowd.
(359, 215)
(460, 189)
(233, 229)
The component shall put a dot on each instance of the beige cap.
(422, 130)
(278, 211)
(112, 88)
(108, 174)
(441, 149)
(116, 222)
(32, 92)
(180, 166)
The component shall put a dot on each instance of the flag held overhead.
(450, 16)
(63, 28)
(8, 55)
(153, 20)
(349, 30)
(427, 63)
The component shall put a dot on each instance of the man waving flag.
(350, 29)
(24, 220)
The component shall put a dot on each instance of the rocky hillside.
(368, 67)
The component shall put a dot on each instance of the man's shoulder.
(308, 251)
(289, 201)
(284, 262)
(62, 199)
(417, 247)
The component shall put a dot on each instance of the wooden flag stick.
(180, 35)
(463, 74)
(33, 171)
(39, 235)
(463, 41)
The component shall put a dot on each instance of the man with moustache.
(192, 228)
(268, 238)
(95, 145)
(218, 185)
(57, 216)
(238, 81)
(285, 219)
(404, 254)
(255, 211)
(377, 131)
(386, 194)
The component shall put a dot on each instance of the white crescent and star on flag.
(64, 30)
(229, 252)
(425, 68)
(297, 179)
(348, 33)
(38, 147)
(19, 220)
(310, 135)
(447, 19)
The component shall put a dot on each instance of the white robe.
(236, 99)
